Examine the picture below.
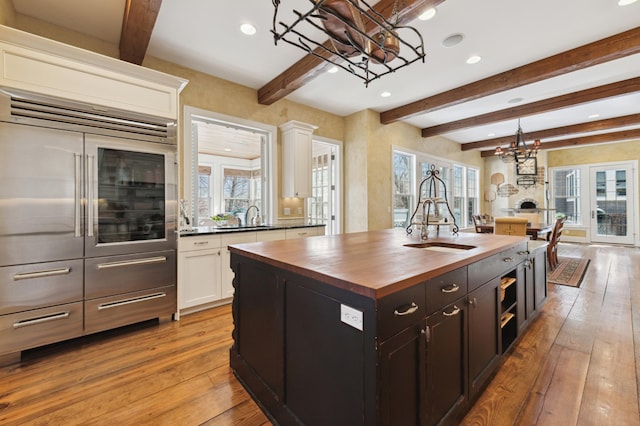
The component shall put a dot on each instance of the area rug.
(570, 271)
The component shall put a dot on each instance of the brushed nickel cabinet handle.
(123, 263)
(450, 289)
(40, 320)
(41, 274)
(201, 243)
(411, 309)
(454, 312)
(508, 259)
(123, 302)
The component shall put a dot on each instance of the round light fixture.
(626, 2)
(453, 40)
(515, 100)
(332, 70)
(474, 59)
(427, 14)
(385, 94)
(594, 116)
(248, 29)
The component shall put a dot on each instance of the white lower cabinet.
(205, 278)
(199, 268)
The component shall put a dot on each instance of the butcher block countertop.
(377, 263)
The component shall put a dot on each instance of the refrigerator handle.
(78, 195)
(90, 195)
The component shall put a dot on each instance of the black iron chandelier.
(518, 151)
(360, 39)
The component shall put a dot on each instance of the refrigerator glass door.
(130, 194)
(40, 194)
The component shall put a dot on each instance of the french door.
(323, 206)
(612, 204)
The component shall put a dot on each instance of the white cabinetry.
(296, 155)
(199, 267)
(26, 63)
(205, 278)
(303, 232)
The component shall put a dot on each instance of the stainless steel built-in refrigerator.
(87, 219)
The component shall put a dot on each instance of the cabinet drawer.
(445, 289)
(484, 270)
(399, 310)
(39, 327)
(39, 285)
(108, 276)
(300, 233)
(115, 311)
(275, 235)
(198, 243)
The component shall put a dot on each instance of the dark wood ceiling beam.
(592, 126)
(137, 24)
(571, 99)
(309, 67)
(608, 49)
(621, 136)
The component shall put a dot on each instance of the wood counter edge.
(379, 293)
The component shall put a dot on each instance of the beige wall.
(367, 143)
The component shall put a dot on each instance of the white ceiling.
(204, 35)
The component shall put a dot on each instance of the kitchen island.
(377, 327)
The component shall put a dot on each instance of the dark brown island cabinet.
(362, 329)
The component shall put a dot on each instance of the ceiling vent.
(50, 112)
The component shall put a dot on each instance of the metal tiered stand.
(432, 207)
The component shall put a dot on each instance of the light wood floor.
(578, 364)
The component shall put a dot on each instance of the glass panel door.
(612, 196)
(131, 202)
(131, 198)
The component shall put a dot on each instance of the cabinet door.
(226, 276)
(540, 278)
(199, 277)
(446, 364)
(521, 297)
(484, 348)
(402, 376)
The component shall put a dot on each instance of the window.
(239, 169)
(236, 191)
(402, 189)
(204, 191)
(462, 185)
(566, 194)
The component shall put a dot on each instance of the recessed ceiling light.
(427, 14)
(248, 29)
(332, 70)
(515, 100)
(452, 40)
(474, 59)
(626, 2)
(385, 94)
(594, 116)
(227, 149)
(491, 135)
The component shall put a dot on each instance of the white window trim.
(272, 147)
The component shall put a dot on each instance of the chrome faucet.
(254, 220)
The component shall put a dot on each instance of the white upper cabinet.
(39, 65)
(297, 140)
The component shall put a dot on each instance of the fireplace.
(527, 205)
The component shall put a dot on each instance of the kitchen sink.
(441, 246)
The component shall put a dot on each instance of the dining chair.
(477, 221)
(510, 225)
(552, 248)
